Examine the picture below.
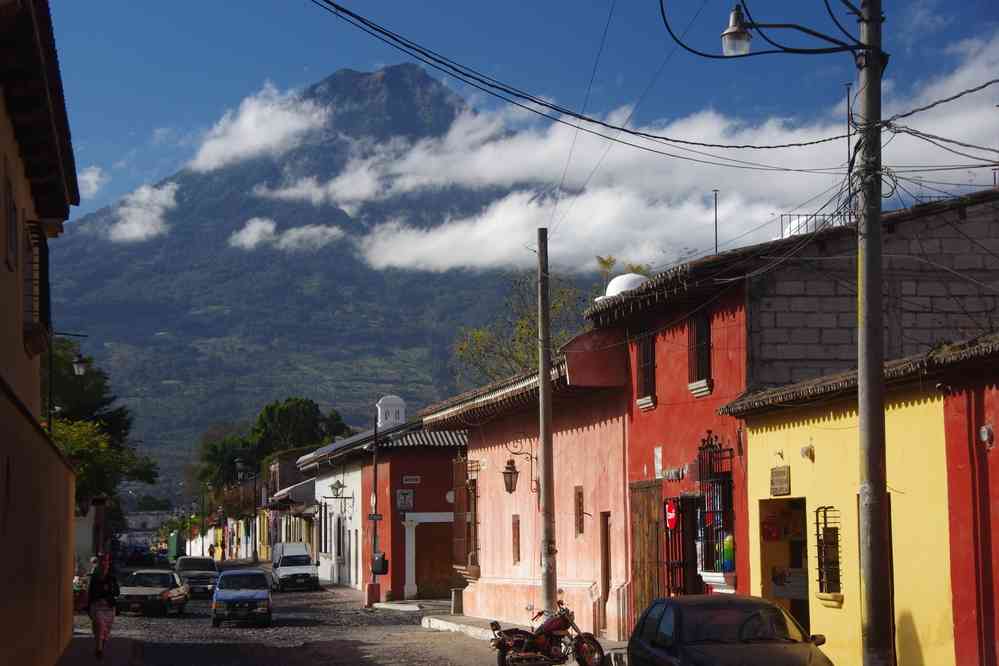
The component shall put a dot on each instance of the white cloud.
(267, 123)
(639, 206)
(260, 231)
(91, 180)
(922, 18)
(256, 231)
(140, 215)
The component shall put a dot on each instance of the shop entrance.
(784, 556)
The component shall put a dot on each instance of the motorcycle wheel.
(588, 651)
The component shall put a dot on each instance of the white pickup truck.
(294, 567)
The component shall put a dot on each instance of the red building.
(971, 413)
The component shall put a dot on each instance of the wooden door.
(433, 562)
(647, 572)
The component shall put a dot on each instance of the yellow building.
(802, 482)
(37, 186)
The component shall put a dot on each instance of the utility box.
(379, 564)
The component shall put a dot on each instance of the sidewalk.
(476, 627)
(118, 652)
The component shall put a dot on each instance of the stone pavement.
(118, 652)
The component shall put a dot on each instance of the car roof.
(153, 571)
(715, 600)
(231, 572)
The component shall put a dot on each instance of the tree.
(509, 344)
(100, 466)
(641, 269)
(293, 422)
(217, 459)
(606, 267)
(83, 398)
(151, 503)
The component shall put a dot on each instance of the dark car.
(153, 592)
(721, 630)
(199, 573)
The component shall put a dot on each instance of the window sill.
(646, 403)
(700, 388)
(722, 582)
(830, 599)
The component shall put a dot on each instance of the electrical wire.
(945, 100)
(586, 101)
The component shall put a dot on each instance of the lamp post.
(79, 367)
(241, 468)
(877, 628)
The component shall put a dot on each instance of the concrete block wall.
(941, 283)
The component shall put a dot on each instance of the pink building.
(497, 532)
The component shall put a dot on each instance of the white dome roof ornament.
(391, 411)
(623, 283)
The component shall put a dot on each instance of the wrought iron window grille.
(827, 544)
(716, 538)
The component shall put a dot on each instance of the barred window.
(647, 366)
(827, 526)
(516, 539)
(699, 347)
(715, 527)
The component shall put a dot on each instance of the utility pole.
(877, 621)
(374, 505)
(849, 156)
(549, 593)
(716, 220)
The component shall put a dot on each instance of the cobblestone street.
(315, 628)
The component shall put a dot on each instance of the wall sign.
(670, 514)
(780, 480)
(411, 479)
(657, 461)
(405, 499)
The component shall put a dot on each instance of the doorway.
(784, 556)
(605, 570)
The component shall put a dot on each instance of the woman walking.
(101, 599)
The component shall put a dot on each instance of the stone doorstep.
(615, 652)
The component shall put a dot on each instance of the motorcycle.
(555, 641)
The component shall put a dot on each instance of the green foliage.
(606, 267)
(217, 459)
(100, 466)
(83, 398)
(294, 422)
(509, 344)
(641, 269)
(151, 503)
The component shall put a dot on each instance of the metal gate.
(680, 548)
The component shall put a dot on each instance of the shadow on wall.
(907, 647)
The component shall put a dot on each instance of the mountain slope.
(194, 331)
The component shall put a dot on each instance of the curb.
(439, 624)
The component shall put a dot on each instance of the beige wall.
(917, 481)
(36, 530)
(16, 368)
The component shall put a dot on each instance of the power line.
(586, 101)
(927, 107)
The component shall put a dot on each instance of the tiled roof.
(410, 433)
(943, 357)
(487, 399)
(701, 275)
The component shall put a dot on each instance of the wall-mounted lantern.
(79, 365)
(510, 475)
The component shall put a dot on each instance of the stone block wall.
(941, 283)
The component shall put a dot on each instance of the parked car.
(299, 571)
(198, 573)
(152, 591)
(723, 630)
(242, 595)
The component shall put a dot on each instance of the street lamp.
(79, 367)
(877, 630)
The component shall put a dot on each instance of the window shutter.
(459, 553)
(579, 510)
(516, 539)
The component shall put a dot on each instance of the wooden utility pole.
(549, 588)
(877, 620)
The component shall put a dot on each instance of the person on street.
(211, 551)
(101, 598)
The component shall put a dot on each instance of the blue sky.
(145, 81)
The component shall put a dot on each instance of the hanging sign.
(411, 480)
(780, 480)
(404, 499)
(671, 514)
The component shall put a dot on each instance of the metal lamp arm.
(839, 25)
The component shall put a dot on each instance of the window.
(647, 370)
(667, 627)
(699, 354)
(651, 625)
(516, 539)
(9, 211)
(579, 510)
(827, 543)
(465, 527)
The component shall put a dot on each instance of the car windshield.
(140, 579)
(738, 624)
(243, 582)
(196, 564)
(295, 561)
